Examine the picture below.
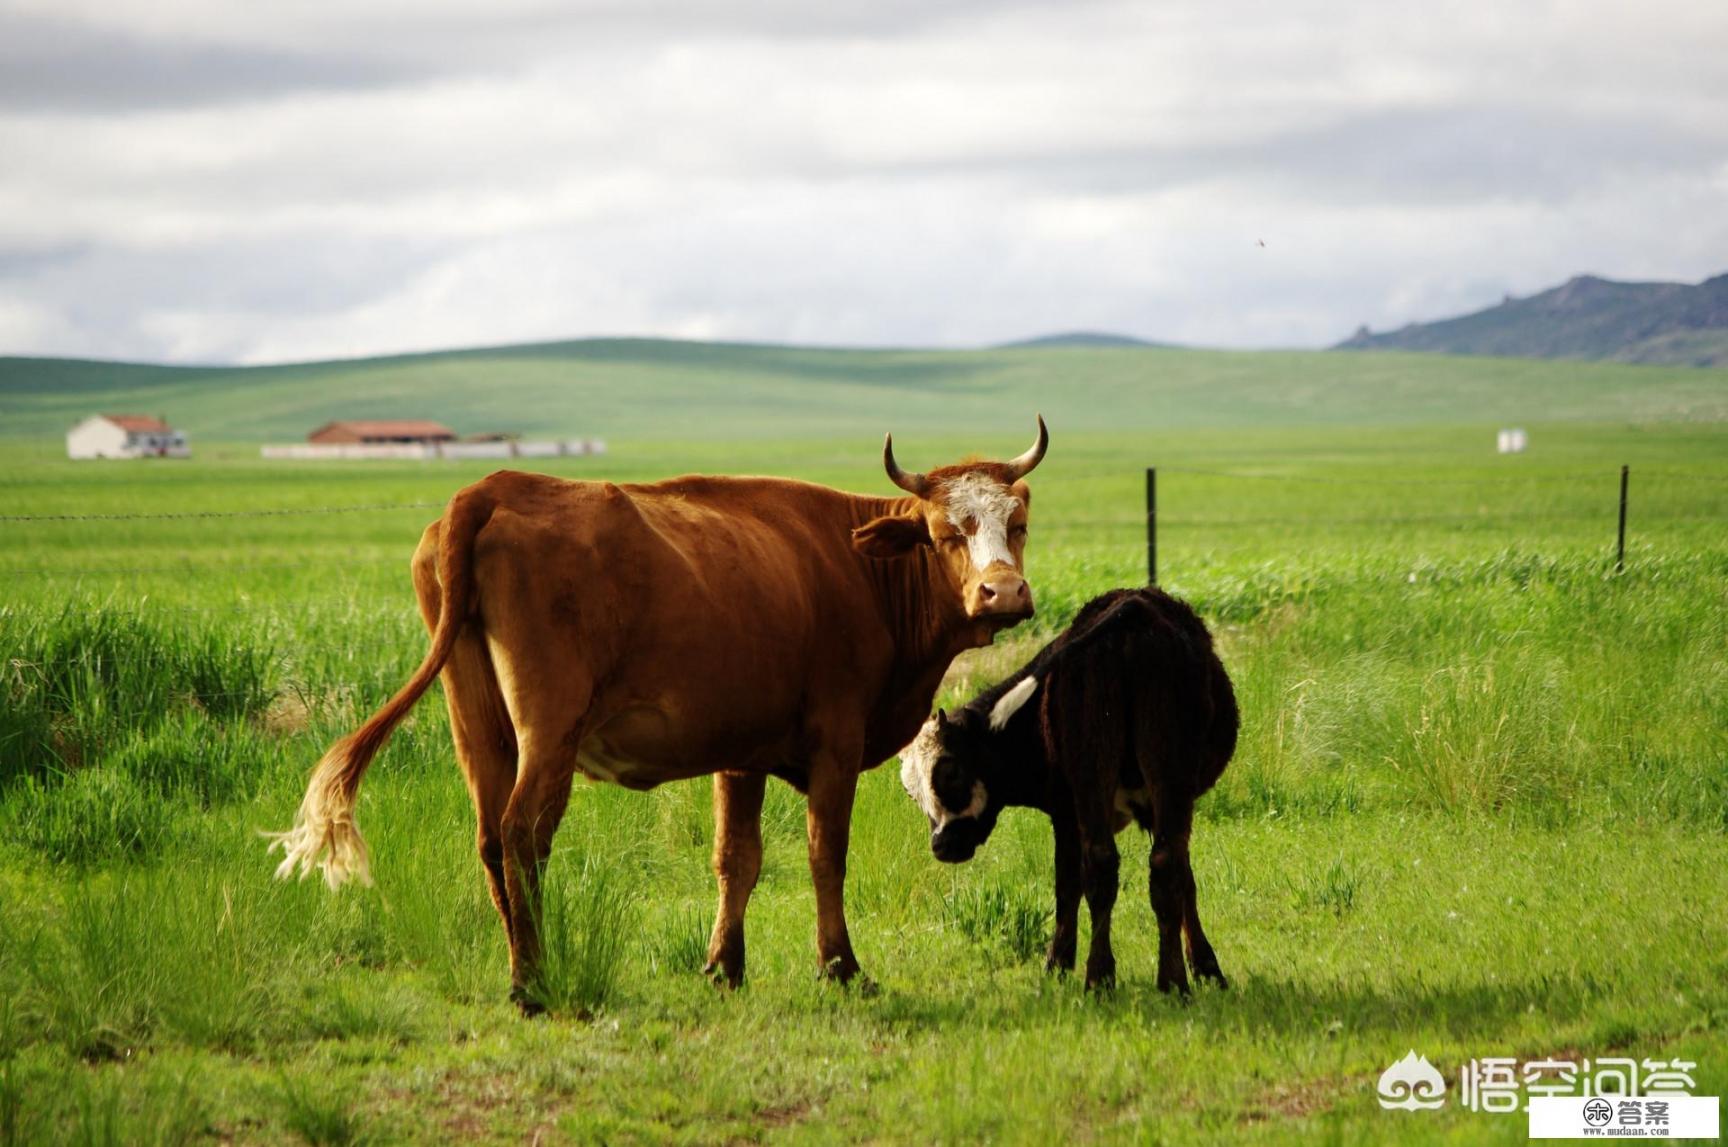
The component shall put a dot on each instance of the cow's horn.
(916, 484)
(1028, 461)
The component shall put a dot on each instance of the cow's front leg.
(829, 821)
(1063, 937)
(737, 863)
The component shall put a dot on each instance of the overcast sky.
(205, 180)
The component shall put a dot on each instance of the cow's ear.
(891, 537)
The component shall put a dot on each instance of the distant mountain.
(1080, 339)
(1588, 317)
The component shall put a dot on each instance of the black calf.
(1134, 719)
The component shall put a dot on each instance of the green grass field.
(1480, 806)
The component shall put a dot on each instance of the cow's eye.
(1016, 531)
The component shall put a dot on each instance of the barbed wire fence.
(1547, 515)
(330, 560)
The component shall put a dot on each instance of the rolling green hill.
(633, 388)
(1587, 317)
(1070, 339)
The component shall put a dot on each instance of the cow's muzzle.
(1004, 596)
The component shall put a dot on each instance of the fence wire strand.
(196, 514)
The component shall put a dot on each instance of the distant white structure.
(125, 436)
(1513, 441)
(414, 439)
(416, 451)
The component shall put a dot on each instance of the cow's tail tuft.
(324, 835)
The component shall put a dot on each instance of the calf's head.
(948, 770)
(973, 516)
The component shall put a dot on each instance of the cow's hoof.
(526, 1003)
(857, 984)
(722, 976)
(1178, 985)
(1058, 965)
(841, 970)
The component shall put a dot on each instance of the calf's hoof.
(526, 1004)
(1100, 976)
(1214, 974)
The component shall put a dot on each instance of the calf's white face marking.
(917, 777)
(986, 503)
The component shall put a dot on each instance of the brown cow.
(743, 627)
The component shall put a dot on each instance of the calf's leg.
(1168, 885)
(1200, 955)
(737, 864)
(1101, 867)
(1064, 936)
(1081, 734)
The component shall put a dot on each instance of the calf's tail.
(324, 834)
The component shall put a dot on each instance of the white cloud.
(408, 176)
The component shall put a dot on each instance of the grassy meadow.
(1480, 805)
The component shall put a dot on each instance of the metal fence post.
(1151, 525)
(1620, 548)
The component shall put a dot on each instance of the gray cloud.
(201, 180)
(1409, 155)
(55, 65)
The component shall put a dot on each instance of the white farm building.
(125, 436)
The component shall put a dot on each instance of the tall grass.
(319, 1112)
(1001, 918)
(586, 919)
(1541, 689)
(78, 681)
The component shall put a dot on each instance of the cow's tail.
(324, 833)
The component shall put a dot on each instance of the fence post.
(1620, 548)
(1151, 525)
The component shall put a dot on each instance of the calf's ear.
(891, 537)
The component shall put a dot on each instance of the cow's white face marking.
(917, 777)
(986, 504)
(1009, 703)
